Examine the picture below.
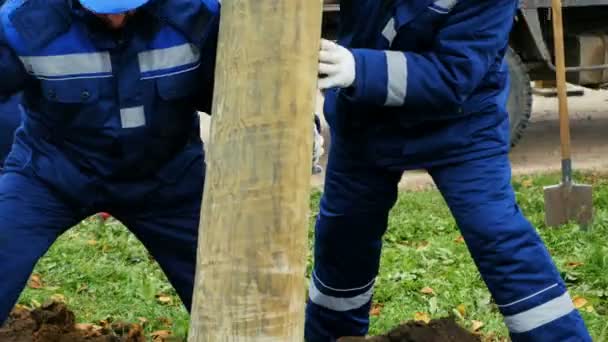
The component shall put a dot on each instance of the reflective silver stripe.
(540, 315)
(337, 303)
(370, 283)
(444, 5)
(530, 296)
(397, 78)
(132, 117)
(176, 56)
(389, 31)
(67, 65)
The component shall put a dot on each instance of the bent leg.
(348, 240)
(31, 219)
(508, 252)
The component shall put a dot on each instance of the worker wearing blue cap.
(110, 91)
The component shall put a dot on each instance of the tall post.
(253, 234)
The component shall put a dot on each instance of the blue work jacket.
(114, 104)
(10, 117)
(431, 80)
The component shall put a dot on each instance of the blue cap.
(112, 6)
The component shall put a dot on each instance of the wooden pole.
(254, 218)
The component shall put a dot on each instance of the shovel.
(566, 201)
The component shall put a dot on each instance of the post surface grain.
(254, 217)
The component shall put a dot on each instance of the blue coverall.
(10, 117)
(110, 124)
(430, 93)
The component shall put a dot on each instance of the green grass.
(106, 273)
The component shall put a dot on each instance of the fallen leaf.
(104, 323)
(462, 309)
(590, 308)
(143, 321)
(427, 290)
(574, 264)
(165, 321)
(422, 316)
(35, 281)
(92, 242)
(376, 309)
(526, 183)
(459, 239)
(160, 335)
(476, 325)
(579, 302)
(422, 245)
(58, 298)
(164, 299)
(136, 333)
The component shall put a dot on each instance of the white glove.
(336, 65)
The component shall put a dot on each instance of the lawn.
(426, 270)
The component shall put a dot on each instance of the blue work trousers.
(508, 252)
(162, 213)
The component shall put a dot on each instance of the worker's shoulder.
(187, 6)
(35, 22)
(192, 17)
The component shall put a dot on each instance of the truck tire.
(519, 105)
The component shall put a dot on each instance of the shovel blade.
(568, 202)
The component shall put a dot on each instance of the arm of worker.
(466, 46)
(14, 75)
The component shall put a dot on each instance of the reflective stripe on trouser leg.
(353, 217)
(508, 252)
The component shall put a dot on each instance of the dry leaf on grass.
(579, 302)
(161, 335)
(165, 321)
(427, 290)
(462, 309)
(35, 281)
(376, 309)
(459, 239)
(422, 245)
(476, 325)
(164, 299)
(58, 298)
(574, 264)
(422, 316)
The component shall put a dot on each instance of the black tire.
(520, 99)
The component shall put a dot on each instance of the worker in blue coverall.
(111, 91)
(10, 117)
(423, 84)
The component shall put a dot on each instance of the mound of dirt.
(441, 330)
(53, 322)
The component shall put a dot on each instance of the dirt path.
(539, 151)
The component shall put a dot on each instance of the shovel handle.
(560, 64)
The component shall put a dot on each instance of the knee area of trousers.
(356, 229)
(497, 227)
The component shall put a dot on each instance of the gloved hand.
(336, 66)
